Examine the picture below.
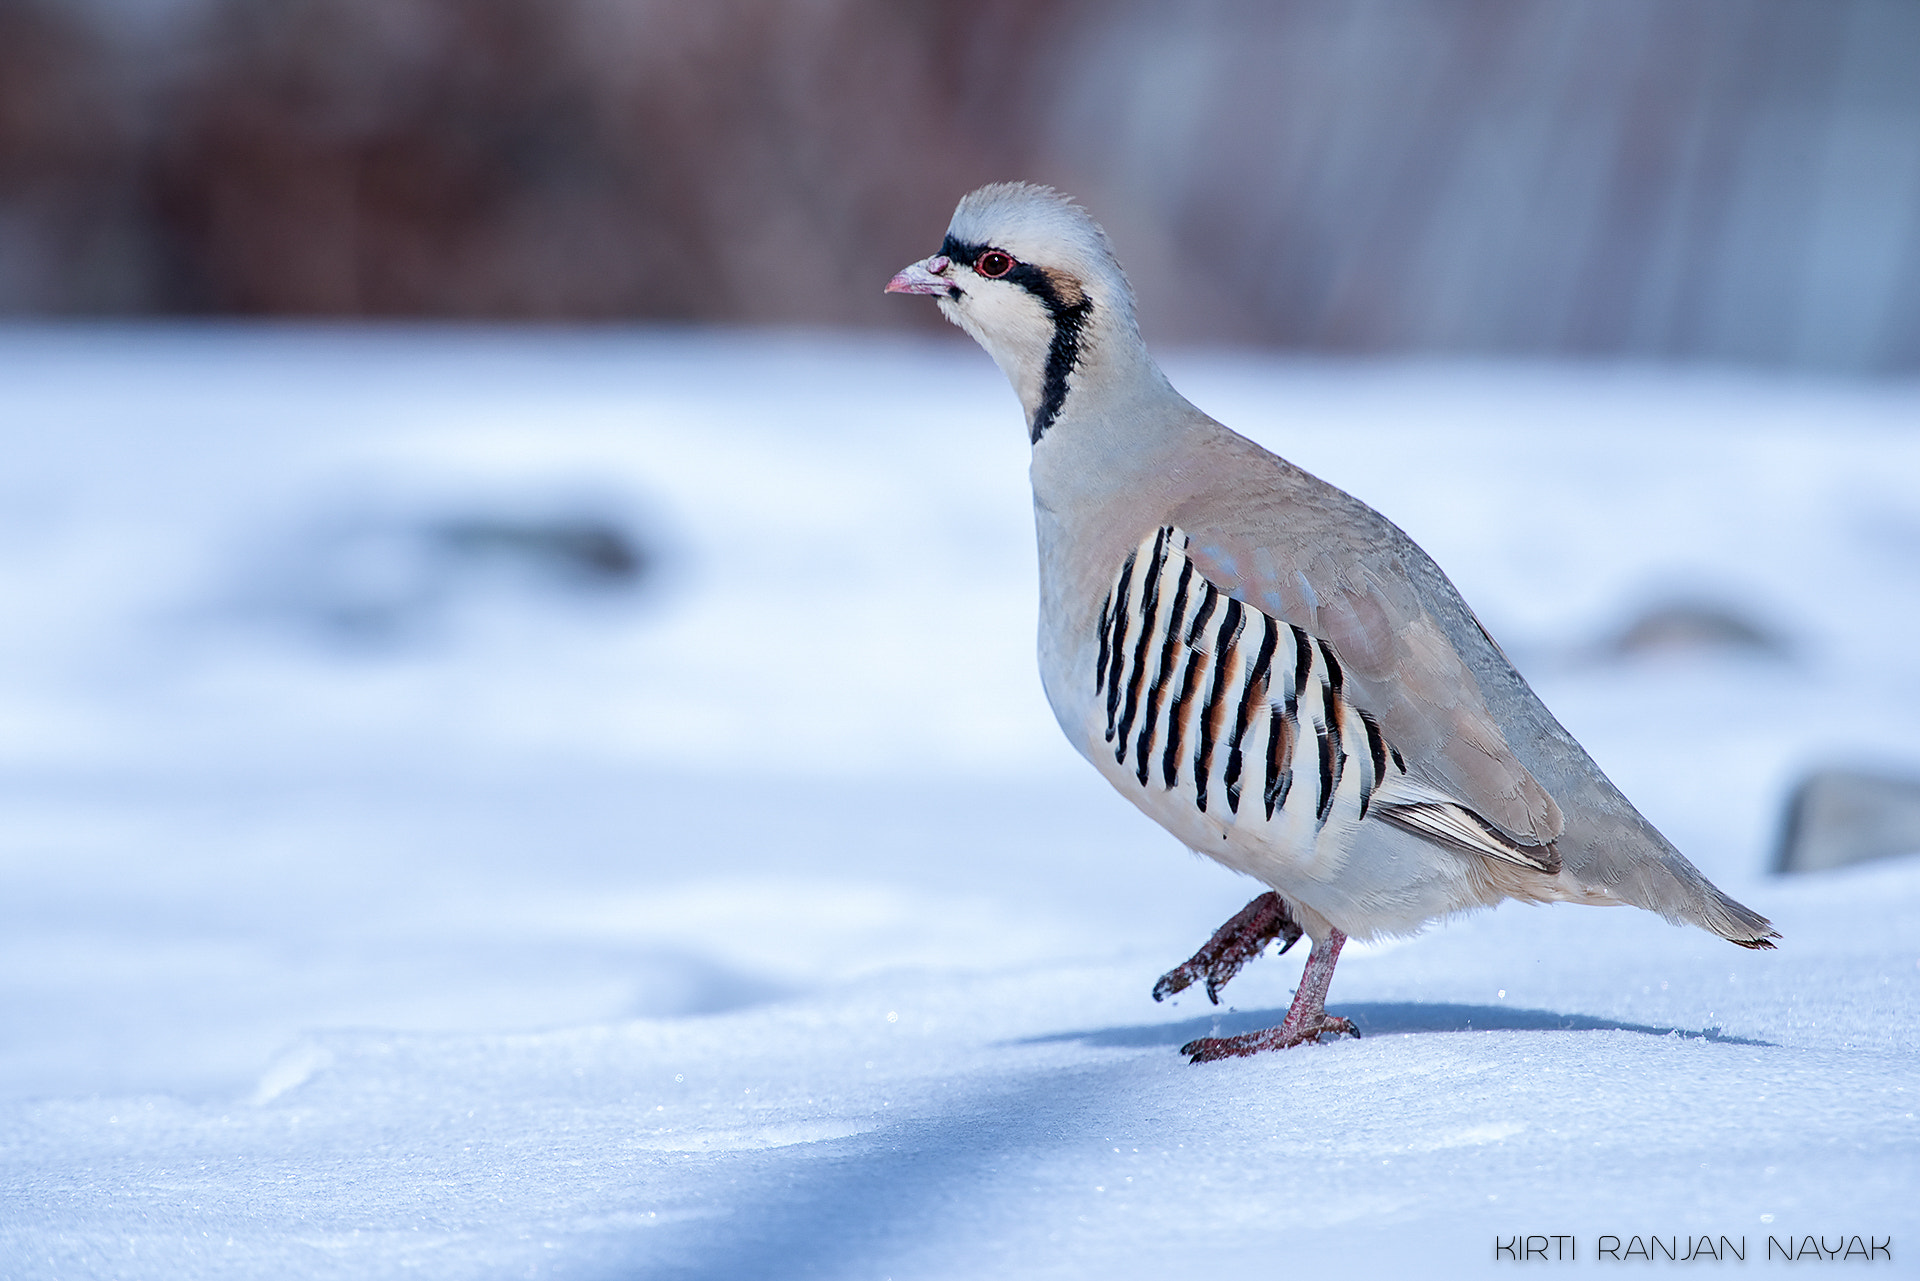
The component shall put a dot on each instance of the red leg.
(1307, 1019)
(1232, 946)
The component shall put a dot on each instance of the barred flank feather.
(1204, 709)
(1200, 702)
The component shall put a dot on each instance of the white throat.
(1057, 360)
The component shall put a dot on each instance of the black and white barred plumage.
(1248, 718)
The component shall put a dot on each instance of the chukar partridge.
(1266, 666)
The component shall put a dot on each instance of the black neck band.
(1063, 350)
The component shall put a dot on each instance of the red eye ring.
(994, 263)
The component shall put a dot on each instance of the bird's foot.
(1232, 946)
(1307, 1018)
(1286, 1036)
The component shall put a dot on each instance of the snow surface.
(759, 923)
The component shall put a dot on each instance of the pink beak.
(923, 277)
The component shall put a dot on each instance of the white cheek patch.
(1012, 325)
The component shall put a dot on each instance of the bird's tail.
(1736, 922)
(1690, 898)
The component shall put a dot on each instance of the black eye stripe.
(961, 251)
(970, 255)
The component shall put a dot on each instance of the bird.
(1265, 665)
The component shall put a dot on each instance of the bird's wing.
(1310, 555)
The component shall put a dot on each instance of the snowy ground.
(363, 915)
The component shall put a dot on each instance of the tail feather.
(1737, 923)
(1700, 902)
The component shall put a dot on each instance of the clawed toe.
(1212, 973)
(1208, 1049)
(1179, 979)
(1232, 946)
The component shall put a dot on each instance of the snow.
(758, 922)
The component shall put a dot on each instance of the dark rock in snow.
(383, 577)
(1696, 627)
(1840, 817)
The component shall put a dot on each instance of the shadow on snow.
(1385, 1018)
(878, 1204)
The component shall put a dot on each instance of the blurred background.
(1723, 179)
(486, 576)
(1611, 303)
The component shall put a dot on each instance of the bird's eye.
(993, 264)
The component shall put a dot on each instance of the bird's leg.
(1307, 1019)
(1232, 946)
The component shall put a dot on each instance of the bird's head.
(1031, 276)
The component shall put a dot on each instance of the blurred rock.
(580, 551)
(1840, 817)
(1687, 627)
(386, 578)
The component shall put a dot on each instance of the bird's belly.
(1287, 844)
(1366, 877)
